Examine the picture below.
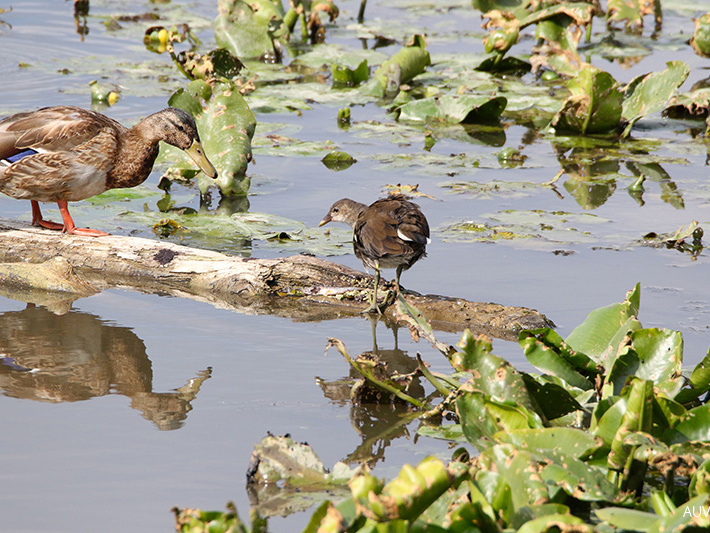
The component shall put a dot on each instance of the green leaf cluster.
(226, 125)
(610, 414)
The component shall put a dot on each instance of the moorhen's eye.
(335, 210)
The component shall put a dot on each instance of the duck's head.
(345, 210)
(178, 128)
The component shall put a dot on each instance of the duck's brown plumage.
(82, 153)
(390, 233)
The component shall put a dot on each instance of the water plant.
(612, 433)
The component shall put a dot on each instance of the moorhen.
(390, 233)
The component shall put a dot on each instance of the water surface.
(110, 430)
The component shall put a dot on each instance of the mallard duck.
(390, 233)
(64, 154)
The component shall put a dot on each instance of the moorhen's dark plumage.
(390, 233)
(64, 154)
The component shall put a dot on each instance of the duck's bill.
(198, 156)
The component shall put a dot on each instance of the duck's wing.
(62, 175)
(51, 129)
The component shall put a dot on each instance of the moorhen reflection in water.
(378, 420)
(390, 233)
(77, 356)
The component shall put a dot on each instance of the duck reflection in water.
(78, 356)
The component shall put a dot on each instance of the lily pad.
(337, 160)
(594, 106)
(535, 229)
(649, 93)
(453, 109)
(243, 29)
(701, 37)
(692, 426)
(346, 77)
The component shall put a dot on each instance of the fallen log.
(302, 287)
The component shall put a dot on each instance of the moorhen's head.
(344, 210)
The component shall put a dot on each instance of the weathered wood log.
(302, 287)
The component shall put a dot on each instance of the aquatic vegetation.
(613, 424)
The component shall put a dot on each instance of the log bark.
(302, 288)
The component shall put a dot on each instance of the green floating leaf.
(226, 126)
(693, 104)
(281, 458)
(482, 417)
(528, 513)
(676, 238)
(552, 522)
(411, 492)
(346, 77)
(594, 106)
(700, 378)
(692, 426)
(691, 516)
(492, 375)
(453, 109)
(604, 329)
(629, 519)
(244, 31)
(545, 350)
(653, 354)
(576, 478)
(701, 37)
(337, 160)
(401, 68)
(505, 64)
(566, 441)
(197, 521)
(519, 472)
(554, 399)
(453, 432)
(607, 417)
(637, 417)
(649, 93)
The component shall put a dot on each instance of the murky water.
(138, 403)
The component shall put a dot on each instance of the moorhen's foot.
(380, 308)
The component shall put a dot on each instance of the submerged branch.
(301, 288)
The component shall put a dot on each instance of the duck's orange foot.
(48, 224)
(87, 232)
(67, 227)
